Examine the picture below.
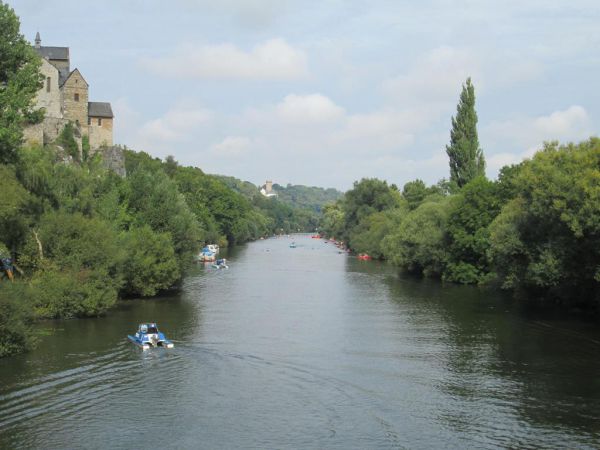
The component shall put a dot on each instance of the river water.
(309, 348)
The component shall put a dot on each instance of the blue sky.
(327, 92)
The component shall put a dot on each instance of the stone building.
(267, 189)
(64, 96)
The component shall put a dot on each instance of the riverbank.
(84, 236)
(534, 230)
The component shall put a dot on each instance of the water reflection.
(309, 348)
(506, 365)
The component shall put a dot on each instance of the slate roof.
(54, 52)
(100, 109)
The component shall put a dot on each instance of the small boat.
(293, 245)
(206, 255)
(220, 264)
(364, 257)
(148, 337)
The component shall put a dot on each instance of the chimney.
(38, 40)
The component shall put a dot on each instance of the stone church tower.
(65, 98)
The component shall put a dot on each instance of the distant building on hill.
(267, 189)
(64, 96)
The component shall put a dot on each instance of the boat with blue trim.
(148, 337)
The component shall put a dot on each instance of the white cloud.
(527, 134)
(274, 59)
(435, 79)
(569, 124)
(175, 125)
(308, 108)
(232, 146)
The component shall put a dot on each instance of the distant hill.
(295, 208)
(245, 188)
(306, 197)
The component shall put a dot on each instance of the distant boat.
(293, 245)
(220, 264)
(364, 257)
(206, 255)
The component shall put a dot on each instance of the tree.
(151, 264)
(368, 196)
(466, 157)
(418, 243)
(471, 212)
(547, 239)
(20, 80)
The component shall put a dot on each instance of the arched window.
(48, 81)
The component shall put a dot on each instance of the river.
(308, 348)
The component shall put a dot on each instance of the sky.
(327, 92)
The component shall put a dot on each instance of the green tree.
(547, 239)
(368, 196)
(67, 141)
(150, 265)
(466, 157)
(153, 199)
(471, 212)
(20, 80)
(418, 244)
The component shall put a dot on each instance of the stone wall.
(76, 110)
(34, 134)
(114, 159)
(47, 132)
(49, 98)
(100, 135)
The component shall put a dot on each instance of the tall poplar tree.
(466, 157)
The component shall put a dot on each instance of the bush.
(16, 334)
(66, 294)
(151, 264)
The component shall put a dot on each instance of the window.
(99, 121)
(89, 120)
(48, 80)
(76, 97)
(77, 123)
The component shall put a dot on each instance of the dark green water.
(308, 348)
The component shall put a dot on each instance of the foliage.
(466, 157)
(68, 293)
(333, 219)
(368, 236)
(368, 196)
(310, 198)
(15, 319)
(19, 82)
(547, 239)
(150, 264)
(85, 148)
(418, 243)
(471, 211)
(14, 204)
(154, 200)
(66, 139)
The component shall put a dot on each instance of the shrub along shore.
(536, 230)
(83, 237)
